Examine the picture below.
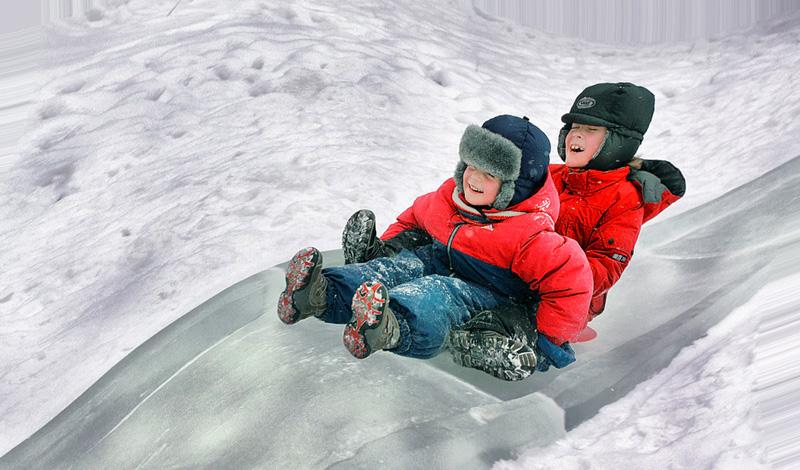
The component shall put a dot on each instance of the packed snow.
(703, 397)
(173, 156)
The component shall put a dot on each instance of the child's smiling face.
(480, 187)
(582, 142)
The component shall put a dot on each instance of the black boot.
(493, 353)
(360, 242)
(500, 342)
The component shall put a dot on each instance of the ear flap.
(505, 195)
(461, 167)
(562, 142)
(616, 152)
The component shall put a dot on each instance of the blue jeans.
(427, 304)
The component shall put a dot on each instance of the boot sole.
(369, 305)
(301, 267)
(494, 354)
(356, 236)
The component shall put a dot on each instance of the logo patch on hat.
(585, 102)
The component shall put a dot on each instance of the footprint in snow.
(72, 87)
(51, 109)
(154, 94)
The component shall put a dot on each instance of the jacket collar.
(585, 182)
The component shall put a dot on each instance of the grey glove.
(668, 175)
(650, 184)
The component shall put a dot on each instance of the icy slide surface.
(228, 387)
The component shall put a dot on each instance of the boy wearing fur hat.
(492, 241)
(605, 194)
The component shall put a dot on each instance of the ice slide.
(229, 386)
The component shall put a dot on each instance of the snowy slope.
(227, 387)
(175, 156)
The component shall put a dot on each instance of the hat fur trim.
(493, 154)
(490, 152)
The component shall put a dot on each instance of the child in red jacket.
(605, 193)
(492, 241)
(604, 201)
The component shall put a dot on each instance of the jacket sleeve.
(671, 187)
(556, 268)
(611, 244)
(405, 221)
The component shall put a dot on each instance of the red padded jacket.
(510, 251)
(604, 212)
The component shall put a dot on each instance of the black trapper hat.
(624, 108)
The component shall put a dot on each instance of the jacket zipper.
(450, 244)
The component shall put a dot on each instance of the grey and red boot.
(373, 325)
(305, 294)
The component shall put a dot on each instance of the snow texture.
(171, 157)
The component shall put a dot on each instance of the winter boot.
(360, 242)
(305, 293)
(373, 326)
(496, 354)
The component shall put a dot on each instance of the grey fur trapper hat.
(510, 148)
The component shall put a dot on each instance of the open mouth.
(474, 189)
(576, 148)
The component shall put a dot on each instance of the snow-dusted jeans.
(427, 305)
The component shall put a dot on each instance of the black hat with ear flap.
(624, 109)
(510, 148)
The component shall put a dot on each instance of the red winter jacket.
(515, 252)
(604, 212)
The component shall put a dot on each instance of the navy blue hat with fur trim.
(510, 148)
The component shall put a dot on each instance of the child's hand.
(550, 354)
